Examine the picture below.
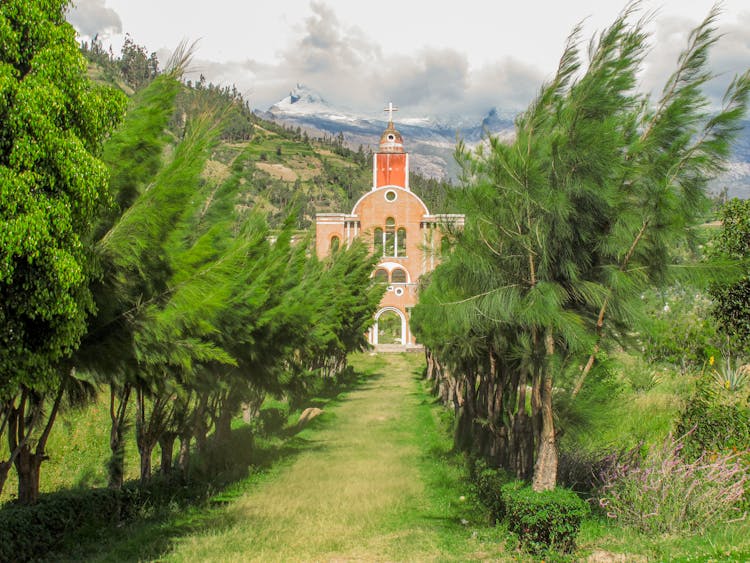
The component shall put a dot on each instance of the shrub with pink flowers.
(666, 492)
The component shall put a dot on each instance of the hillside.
(431, 141)
(284, 169)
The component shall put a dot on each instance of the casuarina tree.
(565, 227)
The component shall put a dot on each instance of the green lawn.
(373, 478)
(363, 488)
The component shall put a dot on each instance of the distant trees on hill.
(135, 65)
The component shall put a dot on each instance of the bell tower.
(390, 166)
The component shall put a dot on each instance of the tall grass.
(665, 493)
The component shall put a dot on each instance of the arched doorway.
(390, 327)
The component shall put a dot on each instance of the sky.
(427, 57)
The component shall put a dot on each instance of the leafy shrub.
(716, 417)
(731, 301)
(489, 482)
(543, 521)
(667, 493)
(32, 532)
(273, 418)
(679, 329)
(29, 532)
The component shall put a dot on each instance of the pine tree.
(566, 225)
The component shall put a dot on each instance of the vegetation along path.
(371, 484)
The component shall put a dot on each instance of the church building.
(400, 230)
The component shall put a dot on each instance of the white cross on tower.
(390, 109)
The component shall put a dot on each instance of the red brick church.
(400, 230)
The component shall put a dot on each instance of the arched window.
(335, 243)
(390, 237)
(377, 240)
(398, 276)
(380, 276)
(401, 242)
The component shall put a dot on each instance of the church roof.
(391, 140)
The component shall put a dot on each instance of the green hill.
(281, 168)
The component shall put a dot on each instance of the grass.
(78, 448)
(373, 478)
(721, 543)
(370, 483)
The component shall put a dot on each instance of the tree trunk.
(166, 447)
(465, 430)
(523, 432)
(144, 450)
(144, 438)
(545, 470)
(4, 470)
(200, 429)
(247, 413)
(117, 414)
(183, 457)
(224, 421)
(429, 360)
(28, 463)
(27, 469)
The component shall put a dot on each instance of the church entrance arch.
(390, 327)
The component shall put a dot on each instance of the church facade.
(400, 231)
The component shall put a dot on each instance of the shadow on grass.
(172, 510)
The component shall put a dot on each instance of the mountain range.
(431, 141)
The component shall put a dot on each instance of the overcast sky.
(428, 57)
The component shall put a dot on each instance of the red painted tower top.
(391, 163)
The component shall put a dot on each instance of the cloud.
(731, 52)
(92, 17)
(351, 71)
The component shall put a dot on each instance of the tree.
(51, 185)
(566, 225)
(732, 300)
(137, 67)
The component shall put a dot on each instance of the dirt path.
(364, 489)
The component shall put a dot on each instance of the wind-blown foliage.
(565, 226)
(202, 308)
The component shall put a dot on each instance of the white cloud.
(92, 17)
(351, 70)
(423, 74)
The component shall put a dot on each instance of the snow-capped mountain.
(431, 141)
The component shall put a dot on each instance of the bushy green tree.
(732, 301)
(52, 183)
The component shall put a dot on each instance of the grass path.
(370, 484)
